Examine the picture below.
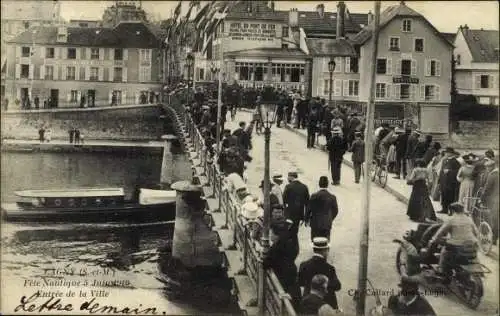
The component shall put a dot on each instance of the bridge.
(388, 221)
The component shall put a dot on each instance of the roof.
(256, 10)
(389, 14)
(126, 35)
(329, 47)
(312, 22)
(483, 45)
(83, 192)
(268, 52)
(450, 37)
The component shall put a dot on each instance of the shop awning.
(268, 53)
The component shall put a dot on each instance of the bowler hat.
(320, 243)
(293, 174)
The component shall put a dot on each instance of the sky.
(446, 16)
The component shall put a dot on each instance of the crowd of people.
(312, 285)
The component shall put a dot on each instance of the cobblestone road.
(388, 221)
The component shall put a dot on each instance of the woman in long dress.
(420, 207)
(466, 177)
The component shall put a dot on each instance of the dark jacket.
(295, 197)
(401, 143)
(318, 265)
(411, 145)
(429, 154)
(420, 149)
(322, 210)
(448, 175)
(358, 151)
(311, 304)
(419, 307)
(337, 146)
(243, 138)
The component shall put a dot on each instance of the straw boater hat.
(277, 177)
(250, 210)
(320, 243)
(399, 130)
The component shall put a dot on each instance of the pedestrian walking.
(321, 211)
(420, 206)
(48, 135)
(71, 133)
(295, 198)
(314, 303)
(318, 264)
(401, 144)
(449, 185)
(41, 134)
(410, 148)
(337, 146)
(312, 126)
(358, 155)
(37, 102)
(466, 178)
(77, 136)
(409, 301)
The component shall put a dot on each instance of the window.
(353, 88)
(49, 52)
(26, 25)
(406, 67)
(354, 65)
(202, 74)
(117, 74)
(74, 96)
(431, 92)
(284, 46)
(435, 65)
(419, 45)
(145, 74)
(25, 71)
(458, 59)
(118, 54)
(284, 31)
(71, 53)
(82, 73)
(405, 91)
(394, 43)
(49, 72)
(94, 74)
(94, 53)
(71, 73)
(485, 81)
(25, 52)
(406, 25)
(145, 56)
(381, 66)
(381, 90)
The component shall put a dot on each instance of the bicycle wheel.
(485, 237)
(382, 177)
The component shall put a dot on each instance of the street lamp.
(268, 117)
(331, 68)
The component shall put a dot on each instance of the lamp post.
(268, 115)
(331, 68)
(189, 64)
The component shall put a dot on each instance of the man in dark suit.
(448, 182)
(337, 146)
(321, 211)
(295, 198)
(313, 303)
(410, 148)
(401, 143)
(318, 265)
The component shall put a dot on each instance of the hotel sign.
(252, 31)
(405, 79)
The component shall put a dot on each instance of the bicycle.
(379, 170)
(480, 215)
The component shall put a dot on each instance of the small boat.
(90, 205)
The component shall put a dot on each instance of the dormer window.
(458, 59)
(406, 25)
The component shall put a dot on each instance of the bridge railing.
(276, 302)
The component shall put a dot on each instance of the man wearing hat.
(448, 182)
(358, 155)
(276, 187)
(410, 148)
(317, 264)
(409, 301)
(490, 195)
(401, 143)
(337, 146)
(322, 211)
(295, 199)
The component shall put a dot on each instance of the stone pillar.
(167, 162)
(194, 243)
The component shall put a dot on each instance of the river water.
(32, 250)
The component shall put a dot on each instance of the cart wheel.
(383, 176)
(485, 237)
(402, 261)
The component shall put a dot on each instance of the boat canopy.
(72, 193)
(149, 197)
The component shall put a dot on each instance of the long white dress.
(464, 176)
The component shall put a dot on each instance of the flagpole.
(365, 214)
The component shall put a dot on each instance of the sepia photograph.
(249, 158)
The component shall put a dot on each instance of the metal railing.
(276, 300)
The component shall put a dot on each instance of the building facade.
(476, 64)
(413, 70)
(68, 66)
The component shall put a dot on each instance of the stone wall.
(112, 124)
(475, 134)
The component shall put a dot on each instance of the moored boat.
(90, 205)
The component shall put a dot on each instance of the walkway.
(87, 143)
(79, 109)
(388, 221)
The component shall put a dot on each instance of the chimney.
(340, 19)
(370, 17)
(293, 17)
(320, 8)
(62, 34)
(466, 27)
